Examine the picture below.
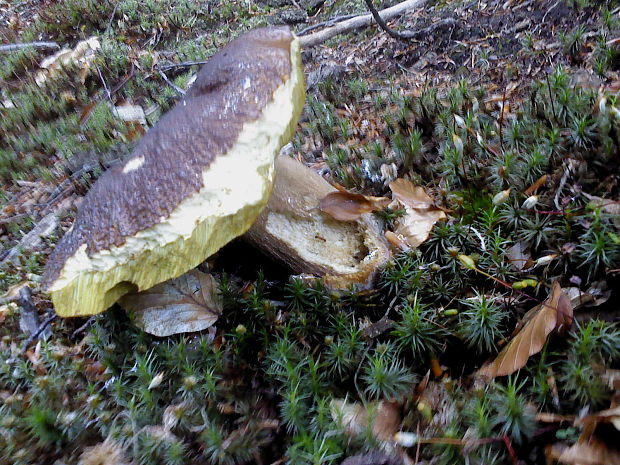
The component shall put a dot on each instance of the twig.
(568, 168)
(112, 17)
(42, 327)
(375, 14)
(548, 11)
(124, 81)
(358, 22)
(82, 328)
(10, 219)
(180, 91)
(29, 320)
(329, 22)
(184, 64)
(60, 189)
(19, 46)
(105, 85)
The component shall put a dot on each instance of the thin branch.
(19, 46)
(375, 14)
(180, 91)
(329, 22)
(357, 22)
(82, 328)
(42, 327)
(183, 64)
(29, 321)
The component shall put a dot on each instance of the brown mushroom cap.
(198, 179)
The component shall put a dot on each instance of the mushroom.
(293, 230)
(198, 179)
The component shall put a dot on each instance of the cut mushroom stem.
(294, 230)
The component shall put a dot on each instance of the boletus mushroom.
(198, 178)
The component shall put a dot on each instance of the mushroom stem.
(293, 230)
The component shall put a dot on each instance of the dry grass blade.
(555, 312)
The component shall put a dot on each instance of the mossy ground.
(467, 124)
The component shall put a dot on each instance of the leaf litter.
(555, 313)
(185, 304)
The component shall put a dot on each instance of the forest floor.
(494, 341)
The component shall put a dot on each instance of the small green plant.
(384, 375)
(482, 322)
(598, 248)
(582, 385)
(515, 418)
(417, 332)
(573, 43)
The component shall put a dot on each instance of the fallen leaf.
(555, 312)
(519, 256)
(416, 225)
(420, 216)
(612, 379)
(611, 415)
(592, 452)
(346, 206)
(383, 417)
(12, 293)
(6, 310)
(410, 195)
(577, 297)
(185, 304)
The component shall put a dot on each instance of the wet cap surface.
(166, 166)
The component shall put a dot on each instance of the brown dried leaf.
(383, 417)
(592, 452)
(555, 312)
(611, 415)
(346, 206)
(415, 226)
(184, 304)
(421, 214)
(410, 195)
(519, 256)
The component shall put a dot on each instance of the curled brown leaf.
(346, 206)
